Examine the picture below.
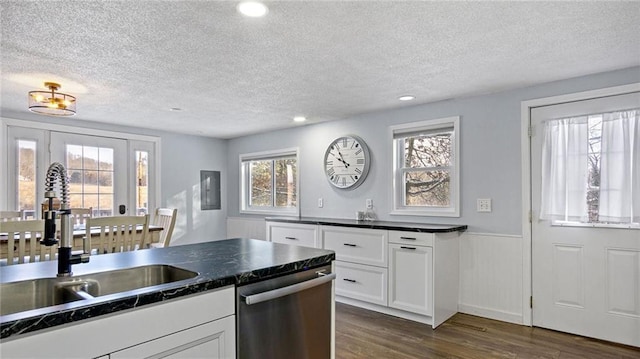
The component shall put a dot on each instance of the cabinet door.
(211, 340)
(411, 278)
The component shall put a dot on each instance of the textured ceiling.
(130, 62)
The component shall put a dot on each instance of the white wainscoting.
(491, 276)
(239, 227)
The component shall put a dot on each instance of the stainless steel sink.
(26, 295)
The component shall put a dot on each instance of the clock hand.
(346, 165)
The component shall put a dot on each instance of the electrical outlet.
(320, 202)
(369, 203)
(483, 205)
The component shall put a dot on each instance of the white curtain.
(620, 167)
(564, 169)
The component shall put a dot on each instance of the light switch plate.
(483, 205)
(369, 203)
(320, 202)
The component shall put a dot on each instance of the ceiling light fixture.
(51, 102)
(406, 98)
(299, 119)
(252, 9)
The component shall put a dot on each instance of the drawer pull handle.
(412, 248)
(349, 245)
(409, 238)
(349, 280)
(291, 238)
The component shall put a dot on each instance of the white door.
(97, 169)
(586, 279)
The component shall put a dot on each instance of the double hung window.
(426, 168)
(269, 182)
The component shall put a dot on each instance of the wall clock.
(346, 162)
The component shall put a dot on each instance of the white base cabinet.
(411, 273)
(180, 328)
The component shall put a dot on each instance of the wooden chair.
(79, 216)
(6, 216)
(165, 218)
(117, 234)
(23, 242)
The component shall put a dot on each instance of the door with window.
(585, 168)
(97, 171)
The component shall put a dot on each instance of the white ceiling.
(130, 62)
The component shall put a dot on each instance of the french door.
(585, 278)
(97, 170)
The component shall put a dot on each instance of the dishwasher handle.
(281, 292)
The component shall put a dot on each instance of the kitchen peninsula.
(151, 319)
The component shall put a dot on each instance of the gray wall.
(181, 159)
(490, 159)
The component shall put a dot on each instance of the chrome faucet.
(65, 258)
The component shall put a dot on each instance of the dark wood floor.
(365, 334)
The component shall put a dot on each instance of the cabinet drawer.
(301, 235)
(357, 245)
(411, 238)
(362, 282)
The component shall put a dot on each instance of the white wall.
(490, 158)
(182, 158)
(491, 251)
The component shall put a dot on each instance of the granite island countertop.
(385, 225)
(222, 263)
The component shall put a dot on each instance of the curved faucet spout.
(57, 171)
(65, 258)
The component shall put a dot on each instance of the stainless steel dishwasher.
(286, 317)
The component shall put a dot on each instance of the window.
(426, 168)
(269, 182)
(91, 172)
(26, 176)
(590, 169)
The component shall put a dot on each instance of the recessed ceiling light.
(299, 119)
(406, 98)
(252, 9)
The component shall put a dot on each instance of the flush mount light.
(406, 98)
(51, 102)
(252, 9)
(299, 119)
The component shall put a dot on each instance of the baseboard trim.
(515, 318)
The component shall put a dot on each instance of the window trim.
(244, 181)
(397, 184)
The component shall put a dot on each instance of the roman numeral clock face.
(346, 162)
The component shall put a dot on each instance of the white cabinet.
(305, 235)
(175, 328)
(413, 275)
(210, 340)
(361, 282)
(411, 278)
(356, 245)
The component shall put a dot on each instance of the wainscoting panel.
(238, 227)
(491, 270)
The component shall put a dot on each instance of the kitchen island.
(220, 267)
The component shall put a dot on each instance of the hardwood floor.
(365, 334)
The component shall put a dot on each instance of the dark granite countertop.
(219, 263)
(396, 226)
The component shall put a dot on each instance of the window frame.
(245, 181)
(397, 183)
(41, 133)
